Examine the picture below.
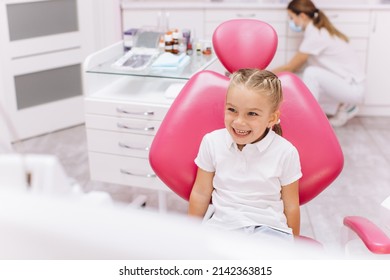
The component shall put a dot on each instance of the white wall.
(108, 22)
(5, 138)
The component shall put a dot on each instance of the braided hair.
(264, 82)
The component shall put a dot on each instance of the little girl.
(248, 171)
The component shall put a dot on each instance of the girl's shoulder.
(284, 143)
(216, 134)
(215, 137)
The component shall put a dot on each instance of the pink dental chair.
(199, 109)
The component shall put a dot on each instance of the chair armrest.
(309, 241)
(372, 236)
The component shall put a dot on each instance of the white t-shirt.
(331, 53)
(247, 184)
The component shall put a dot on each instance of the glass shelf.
(196, 64)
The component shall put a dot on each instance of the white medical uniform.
(247, 184)
(333, 71)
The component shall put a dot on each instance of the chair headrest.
(245, 43)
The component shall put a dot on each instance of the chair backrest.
(199, 109)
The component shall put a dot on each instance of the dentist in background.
(330, 65)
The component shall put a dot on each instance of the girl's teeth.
(241, 131)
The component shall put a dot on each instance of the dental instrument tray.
(142, 54)
(136, 59)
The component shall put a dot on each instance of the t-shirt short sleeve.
(292, 168)
(204, 159)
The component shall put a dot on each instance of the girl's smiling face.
(247, 115)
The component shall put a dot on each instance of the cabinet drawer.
(132, 18)
(361, 56)
(124, 125)
(358, 44)
(158, 17)
(351, 30)
(265, 15)
(280, 28)
(125, 110)
(337, 16)
(126, 144)
(122, 170)
(354, 30)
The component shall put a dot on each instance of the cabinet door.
(44, 93)
(43, 45)
(188, 19)
(378, 88)
(276, 18)
(171, 18)
(41, 26)
(140, 18)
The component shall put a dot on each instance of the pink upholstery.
(305, 125)
(199, 109)
(371, 235)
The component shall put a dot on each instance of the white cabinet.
(366, 26)
(43, 44)
(356, 25)
(119, 138)
(378, 94)
(124, 111)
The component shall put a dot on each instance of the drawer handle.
(123, 145)
(246, 15)
(148, 175)
(147, 113)
(149, 128)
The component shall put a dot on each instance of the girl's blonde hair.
(261, 81)
(320, 20)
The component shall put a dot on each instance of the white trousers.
(327, 87)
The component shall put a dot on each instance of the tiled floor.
(359, 190)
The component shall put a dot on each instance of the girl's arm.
(200, 197)
(298, 60)
(290, 197)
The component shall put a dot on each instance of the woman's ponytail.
(320, 20)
